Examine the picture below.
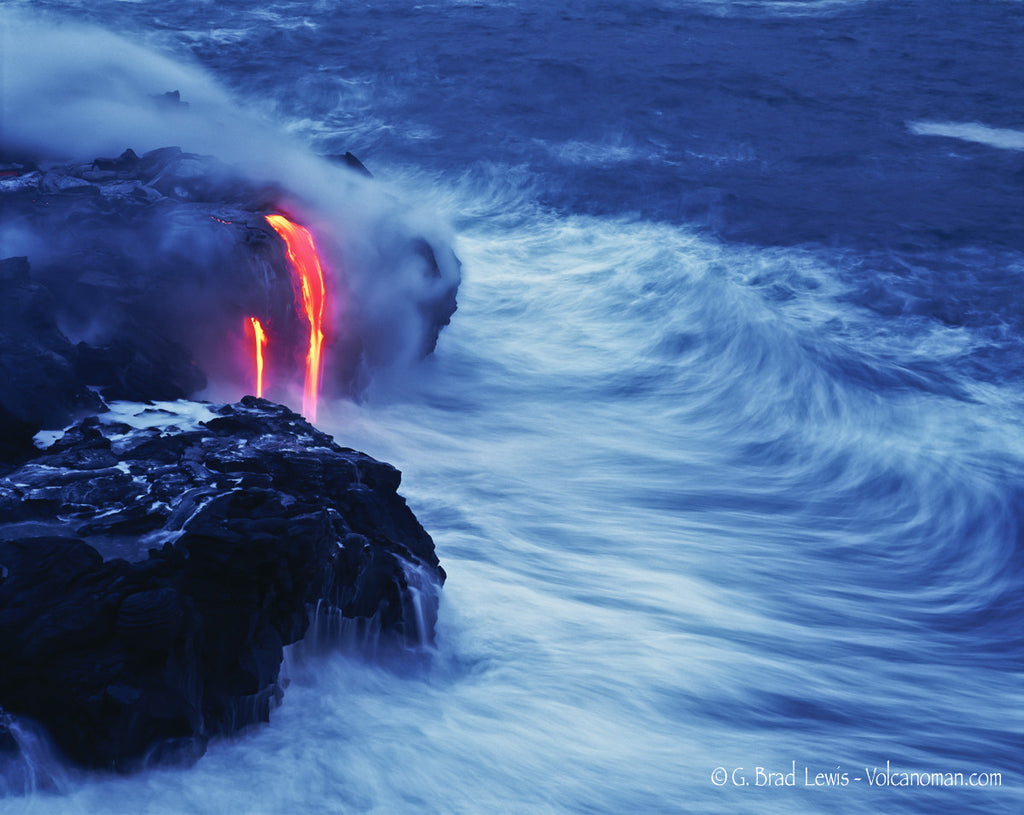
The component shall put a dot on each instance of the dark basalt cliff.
(153, 566)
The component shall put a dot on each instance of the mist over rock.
(154, 563)
(138, 274)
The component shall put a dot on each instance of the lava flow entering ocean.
(313, 294)
(260, 341)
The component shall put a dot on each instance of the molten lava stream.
(260, 339)
(306, 266)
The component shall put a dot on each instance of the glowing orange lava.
(260, 338)
(310, 275)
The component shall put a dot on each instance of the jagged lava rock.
(153, 566)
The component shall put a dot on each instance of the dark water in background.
(721, 450)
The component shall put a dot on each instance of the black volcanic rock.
(125, 163)
(153, 567)
(39, 383)
(352, 162)
(145, 367)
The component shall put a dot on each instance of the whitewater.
(721, 451)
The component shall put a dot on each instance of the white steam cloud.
(73, 92)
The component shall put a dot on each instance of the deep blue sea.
(722, 449)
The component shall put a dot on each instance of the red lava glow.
(310, 278)
(260, 340)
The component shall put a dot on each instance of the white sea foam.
(181, 414)
(1002, 137)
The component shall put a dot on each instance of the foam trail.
(1002, 137)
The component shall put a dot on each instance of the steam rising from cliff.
(72, 93)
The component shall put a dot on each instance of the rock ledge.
(154, 562)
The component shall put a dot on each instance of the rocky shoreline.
(155, 561)
(158, 556)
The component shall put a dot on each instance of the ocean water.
(721, 451)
